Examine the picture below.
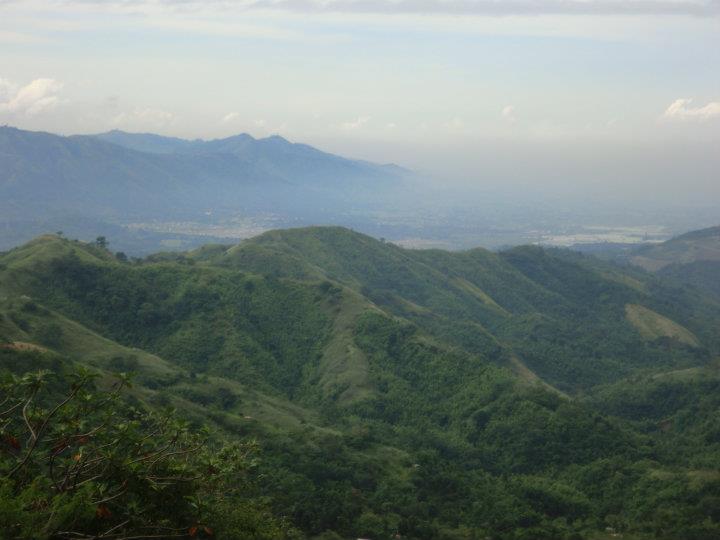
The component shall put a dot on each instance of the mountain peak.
(238, 137)
(278, 138)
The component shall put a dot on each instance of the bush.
(84, 464)
(49, 334)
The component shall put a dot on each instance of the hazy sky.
(483, 89)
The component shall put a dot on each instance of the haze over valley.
(146, 192)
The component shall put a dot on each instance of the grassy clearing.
(528, 375)
(343, 366)
(478, 293)
(652, 325)
(22, 320)
(625, 280)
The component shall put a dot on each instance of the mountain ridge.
(693, 246)
(153, 143)
(51, 178)
(505, 294)
(691, 259)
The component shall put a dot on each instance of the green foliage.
(49, 334)
(703, 275)
(80, 463)
(124, 364)
(424, 394)
(101, 242)
(205, 319)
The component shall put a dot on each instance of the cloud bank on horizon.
(682, 109)
(495, 8)
(434, 7)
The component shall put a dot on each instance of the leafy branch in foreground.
(83, 464)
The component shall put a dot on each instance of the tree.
(226, 397)
(101, 242)
(49, 334)
(82, 464)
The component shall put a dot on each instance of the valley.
(150, 193)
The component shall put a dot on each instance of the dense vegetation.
(703, 275)
(78, 462)
(692, 259)
(528, 394)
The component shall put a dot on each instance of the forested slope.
(424, 394)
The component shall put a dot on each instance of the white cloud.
(236, 119)
(7, 90)
(18, 38)
(508, 113)
(450, 7)
(230, 117)
(143, 119)
(222, 28)
(356, 124)
(456, 124)
(681, 109)
(506, 7)
(31, 99)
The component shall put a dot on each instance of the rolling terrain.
(524, 394)
(691, 259)
(689, 248)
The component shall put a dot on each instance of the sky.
(595, 95)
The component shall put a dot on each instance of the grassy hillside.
(691, 260)
(422, 393)
(488, 303)
(703, 245)
(653, 326)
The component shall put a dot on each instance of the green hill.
(703, 245)
(423, 393)
(514, 303)
(701, 275)
(692, 259)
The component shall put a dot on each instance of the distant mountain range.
(118, 177)
(274, 156)
(292, 160)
